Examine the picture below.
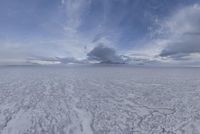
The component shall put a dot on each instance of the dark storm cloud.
(104, 54)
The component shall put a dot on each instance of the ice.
(99, 100)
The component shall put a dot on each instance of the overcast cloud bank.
(184, 30)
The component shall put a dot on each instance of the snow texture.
(99, 100)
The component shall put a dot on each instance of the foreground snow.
(99, 100)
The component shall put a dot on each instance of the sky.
(130, 31)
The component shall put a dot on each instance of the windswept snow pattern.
(99, 100)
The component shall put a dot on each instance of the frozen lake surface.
(99, 100)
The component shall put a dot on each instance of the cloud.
(12, 52)
(55, 60)
(104, 54)
(75, 9)
(182, 47)
(184, 31)
(99, 54)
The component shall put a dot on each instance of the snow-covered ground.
(99, 100)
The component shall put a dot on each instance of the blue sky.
(141, 29)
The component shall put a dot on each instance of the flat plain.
(99, 100)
